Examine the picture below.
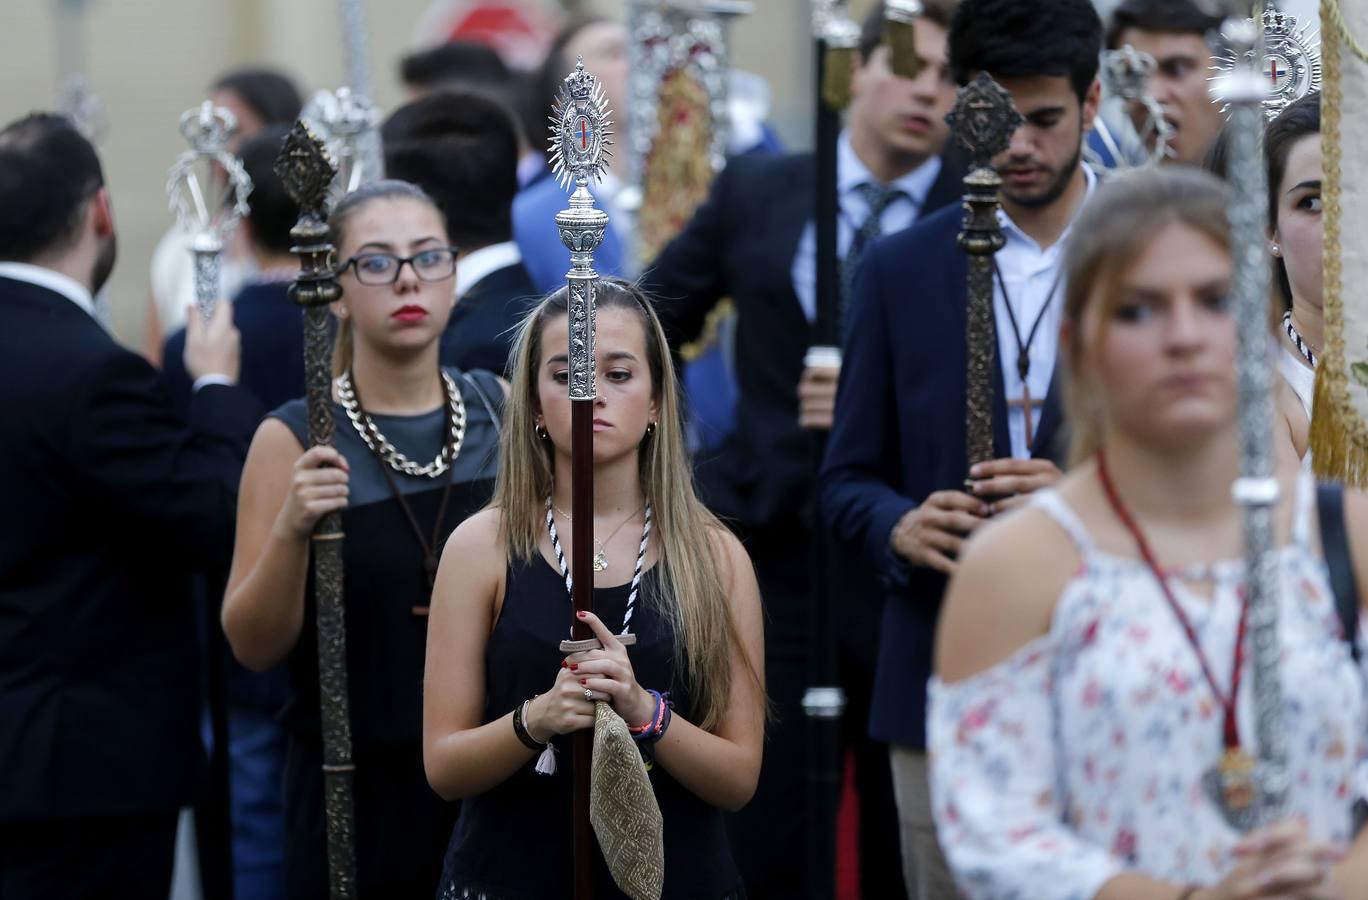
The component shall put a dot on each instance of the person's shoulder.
(1011, 573)
(934, 231)
(294, 415)
(480, 540)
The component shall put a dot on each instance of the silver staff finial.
(1288, 69)
(579, 150)
(209, 189)
(579, 130)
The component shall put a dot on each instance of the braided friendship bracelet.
(652, 730)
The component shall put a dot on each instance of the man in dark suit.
(895, 472)
(754, 240)
(109, 502)
(462, 149)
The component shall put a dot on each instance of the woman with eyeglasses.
(415, 454)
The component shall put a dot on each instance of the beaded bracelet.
(520, 728)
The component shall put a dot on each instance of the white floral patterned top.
(1083, 755)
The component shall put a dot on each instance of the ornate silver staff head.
(208, 188)
(1287, 68)
(345, 120)
(579, 152)
(1125, 76)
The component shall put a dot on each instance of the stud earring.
(1276, 251)
(650, 429)
(542, 433)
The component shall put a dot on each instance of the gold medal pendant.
(1236, 769)
(600, 561)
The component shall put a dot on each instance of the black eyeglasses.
(379, 269)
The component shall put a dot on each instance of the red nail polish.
(584, 682)
(574, 667)
(581, 614)
(563, 664)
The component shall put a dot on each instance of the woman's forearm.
(472, 761)
(716, 770)
(264, 613)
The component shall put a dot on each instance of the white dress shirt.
(1030, 274)
(54, 281)
(854, 209)
(477, 264)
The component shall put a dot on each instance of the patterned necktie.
(879, 199)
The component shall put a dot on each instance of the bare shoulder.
(1003, 596)
(729, 551)
(276, 443)
(479, 540)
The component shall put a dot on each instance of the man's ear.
(101, 215)
(1092, 101)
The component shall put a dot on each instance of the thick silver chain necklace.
(1302, 347)
(380, 445)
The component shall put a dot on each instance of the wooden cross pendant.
(1027, 406)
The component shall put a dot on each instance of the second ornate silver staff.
(1253, 792)
(209, 190)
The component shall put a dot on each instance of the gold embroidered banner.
(1339, 424)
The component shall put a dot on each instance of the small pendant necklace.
(1295, 336)
(636, 572)
(601, 551)
(1233, 777)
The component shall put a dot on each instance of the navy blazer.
(109, 503)
(484, 322)
(899, 436)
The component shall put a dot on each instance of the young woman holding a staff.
(1093, 697)
(414, 455)
(498, 688)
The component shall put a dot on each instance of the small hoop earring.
(542, 433)
(650, 429)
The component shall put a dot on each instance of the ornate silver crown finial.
(579, 129)
(1290, 67)
(202, 206)
(984, 119)
(208, 127)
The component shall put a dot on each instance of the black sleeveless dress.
(401, 824)
(514, 841)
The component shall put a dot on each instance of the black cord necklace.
(1024, 347)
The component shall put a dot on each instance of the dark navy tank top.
(514, 841)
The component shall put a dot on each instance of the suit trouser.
(95, 857)
(924, 867)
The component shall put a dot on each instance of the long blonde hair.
(692, 594)
(1114, 228)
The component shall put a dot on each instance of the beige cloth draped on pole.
(623, 809)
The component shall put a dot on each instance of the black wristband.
(520, 729)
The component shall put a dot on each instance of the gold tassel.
(1339, 438)
(839, 68)
(900, 34)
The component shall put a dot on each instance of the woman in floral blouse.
(1081, 713)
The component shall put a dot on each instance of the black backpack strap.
(1334, 532)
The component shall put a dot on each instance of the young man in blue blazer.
(894, 476)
